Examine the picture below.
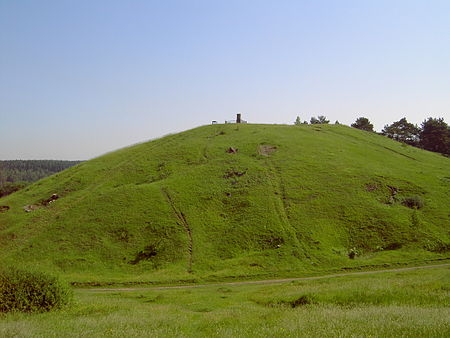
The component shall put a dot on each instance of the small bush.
(413, 202)
(26, 291)
(437, 246)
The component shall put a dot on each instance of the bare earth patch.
(266, 149)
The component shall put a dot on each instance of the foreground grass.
(393, 304)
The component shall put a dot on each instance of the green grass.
(393, 304)
(30, 291)
(211, 215)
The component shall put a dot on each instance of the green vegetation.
(27, 291)
(394, 304)
(363, 123)
(319, 120)
(403, 131)
(8, 188)
(233, 201)
(16, 174)
(433, 135)
(413, 202)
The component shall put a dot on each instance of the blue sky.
(80, 78)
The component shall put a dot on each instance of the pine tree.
(435, 135)
(363, 123)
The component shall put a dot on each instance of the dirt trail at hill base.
(268, 281)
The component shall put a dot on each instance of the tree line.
(433, 134)
(16, 174)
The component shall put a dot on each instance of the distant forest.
(16, 174)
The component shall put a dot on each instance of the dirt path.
(268, 281)
(183, 222)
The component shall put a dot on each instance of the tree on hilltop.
(319, 120)
(435, 135)
(298, 121)
(402, 131)
(363, 123)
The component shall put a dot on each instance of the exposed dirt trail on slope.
(269, 281)
(281, 206)
(182, 221)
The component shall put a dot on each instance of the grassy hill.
(290, 199)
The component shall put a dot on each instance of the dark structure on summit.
(238, 119)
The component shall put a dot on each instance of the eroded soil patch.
(266, 149)
(4, 208)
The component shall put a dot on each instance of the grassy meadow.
(390, 304)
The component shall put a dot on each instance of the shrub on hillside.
(413, 202)
(437, 246)
(26, 291)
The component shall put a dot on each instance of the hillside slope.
(291, 198)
